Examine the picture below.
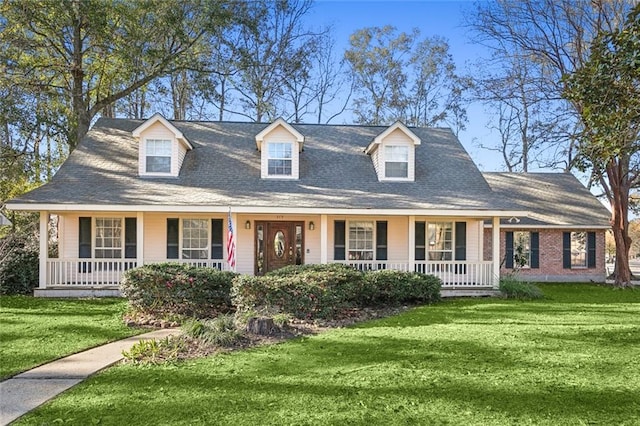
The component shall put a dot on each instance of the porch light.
(247, 225)
(312, 226)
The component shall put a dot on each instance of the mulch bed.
(194, 348)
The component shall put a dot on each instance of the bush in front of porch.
(178, 289)
(325, 291)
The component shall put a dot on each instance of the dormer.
(393, 153)
(280, 146)
(161, 147)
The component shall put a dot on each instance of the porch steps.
(77, 292)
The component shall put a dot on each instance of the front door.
(278, 244)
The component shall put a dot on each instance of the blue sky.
(442, 18)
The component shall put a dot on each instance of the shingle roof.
(223, 169)
(556, 199)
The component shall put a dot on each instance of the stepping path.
(26, 391)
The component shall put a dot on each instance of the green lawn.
(571, 359)
(37, 330)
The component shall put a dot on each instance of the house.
(136, 192)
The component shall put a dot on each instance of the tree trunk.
(261, 326)
(618, 178)
(80, 110)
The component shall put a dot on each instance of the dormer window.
(161, 147)
(158, 156)
(393, 154)
(396, 161)
(279, 158)
(280, 146)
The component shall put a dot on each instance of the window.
(360, 240)
(396, 161)
(195, 239)
(522, 249)
(279, 159)
(108, 238)
(578, 249)
(158, 156)
(440, 240)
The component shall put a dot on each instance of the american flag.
(231, 245)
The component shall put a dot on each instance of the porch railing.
(87, 272)
(105, 272)
(452, 273)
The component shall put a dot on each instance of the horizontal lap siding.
(280, 134)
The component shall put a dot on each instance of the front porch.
(450, 248)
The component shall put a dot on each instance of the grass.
(569, 359)
(34, 331)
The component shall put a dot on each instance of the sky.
(441, 18)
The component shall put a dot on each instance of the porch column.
(324, 239)
(412, 243)
(44, 248)
(140, 239)
(495, 250)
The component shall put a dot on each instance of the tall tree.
(272, 50)
(87, 54)
(399, 76)
(606, 89)
(549, 38)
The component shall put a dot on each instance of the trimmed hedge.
(176, 288)
(512, 287)
(322, 291)
(388, 287)
(307, 291)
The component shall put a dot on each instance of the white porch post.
(324, 239)
(495, 250)
(44, 248)
(140, 239)
(412, 243)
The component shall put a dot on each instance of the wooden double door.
(278, 244)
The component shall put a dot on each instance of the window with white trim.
(578, 249)
(522, 249)
(360, 240)
(158, 156)
(396, 161)
(440, 240)
(195, 239)
(109, 236)
(279, 158)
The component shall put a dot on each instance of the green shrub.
(177, 288)
(512, 287)
(308, 291)
(220, 331)
(153, 352)
(388, 287)
(19, 264)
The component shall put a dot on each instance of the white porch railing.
(452, 273)
(87, 272)
(108, 272)
(105, 272)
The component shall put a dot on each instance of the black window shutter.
(216, 238)
(591, 249)
(420, 253)
(173, 235)
(130, 237)
(339, 240)
(461, 241)
(535, 250)
(566, 250)
(508, 250)
(84, 243)
(381, 240)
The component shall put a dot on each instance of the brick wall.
(551, 257)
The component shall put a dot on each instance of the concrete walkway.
(26, 391)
